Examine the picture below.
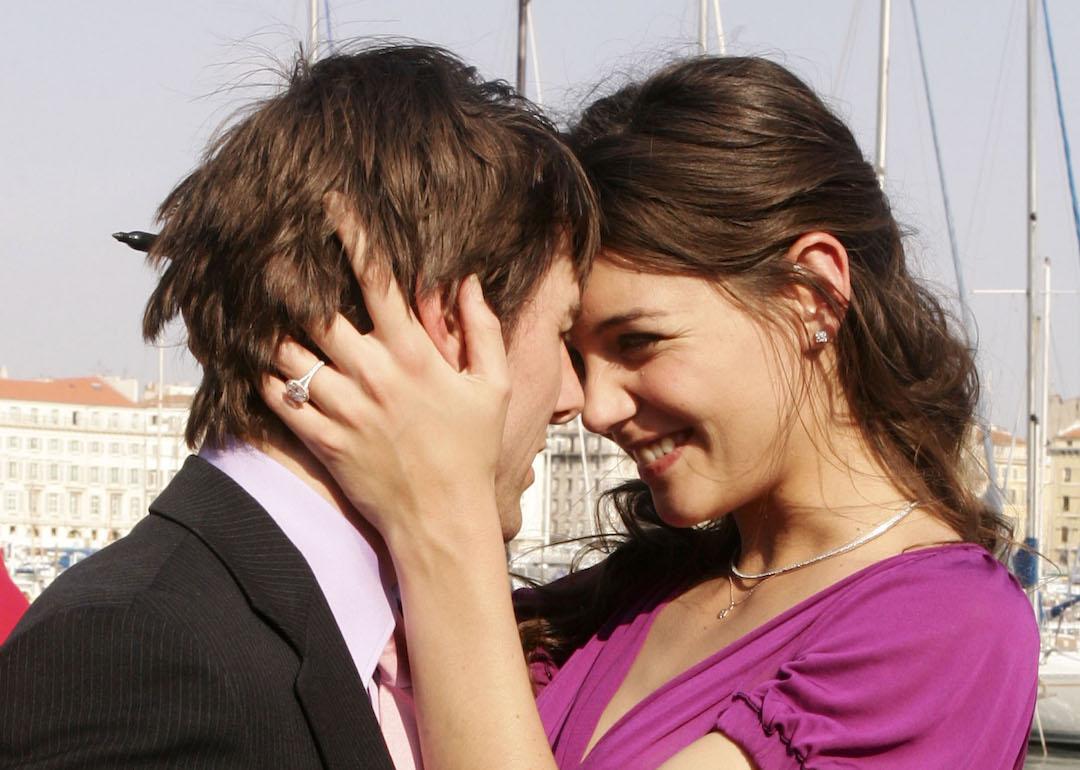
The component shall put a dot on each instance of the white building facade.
(80, 461)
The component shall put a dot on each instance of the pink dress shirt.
(346, 567)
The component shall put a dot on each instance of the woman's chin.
(675, 515)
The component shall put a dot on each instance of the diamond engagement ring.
(297, 390)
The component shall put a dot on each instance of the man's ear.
(440, 321)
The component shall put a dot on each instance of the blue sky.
(108, 104)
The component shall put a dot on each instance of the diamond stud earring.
(821, 336)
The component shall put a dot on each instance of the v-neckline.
(637, 644)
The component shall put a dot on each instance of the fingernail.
(332, 203)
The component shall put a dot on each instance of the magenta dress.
(924, 660)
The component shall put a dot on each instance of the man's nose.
(571, 396)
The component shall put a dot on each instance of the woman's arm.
(413, 443)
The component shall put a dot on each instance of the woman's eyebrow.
(635, 314)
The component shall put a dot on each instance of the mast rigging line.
(954, 249)
(1061, 123)
(329, 30)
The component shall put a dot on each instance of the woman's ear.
(823, 256)
(440, 322)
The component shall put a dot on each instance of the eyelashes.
(635, 343)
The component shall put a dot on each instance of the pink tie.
(397, 715)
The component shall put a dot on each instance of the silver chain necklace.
(878, 531)
(732, 604)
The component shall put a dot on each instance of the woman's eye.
(632, 343)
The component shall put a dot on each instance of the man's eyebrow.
(631, 315)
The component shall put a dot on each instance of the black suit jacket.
(200, 640)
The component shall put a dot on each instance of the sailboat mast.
(313, 32)
(883, 90)
(1035, 377)
(703, 27)
(523, 17)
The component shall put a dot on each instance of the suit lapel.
(282, 590)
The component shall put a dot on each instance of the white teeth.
(654, 452)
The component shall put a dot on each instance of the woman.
(807, 580)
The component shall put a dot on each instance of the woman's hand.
(409, 438)
(413, 443)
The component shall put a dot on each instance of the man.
(250, 620)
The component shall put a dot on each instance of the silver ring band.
(297, 390)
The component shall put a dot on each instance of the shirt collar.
(345, 565)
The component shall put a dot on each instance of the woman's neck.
(830, 491)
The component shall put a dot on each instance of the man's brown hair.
(451, 175)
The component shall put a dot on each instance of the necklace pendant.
(723, 613)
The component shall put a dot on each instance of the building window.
(34, 470)
(35, 445)
(114, 448)
(34, 415)
(54, 472)
(73, 473)
(133, 476)
(1068, 475)
(54, 417)
(73, 505)
(114, 420)
(151, 478)
(114, 475)
(95, 447)
(95, 475)
(135, 449)
(54, 445)
(1065, 503)
(136, 508)
(75, 447)
(1064, 534)
(95, 505)
(52, 503)
(11, 502)
(13, 469)
(14, 443)
(114, 506)
(35, 498)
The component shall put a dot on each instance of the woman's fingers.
(346, 221)
(484, 348)
(386, 305)
(304, 420)
(334, 394)
(355, 354)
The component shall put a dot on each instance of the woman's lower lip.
(660, 465)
